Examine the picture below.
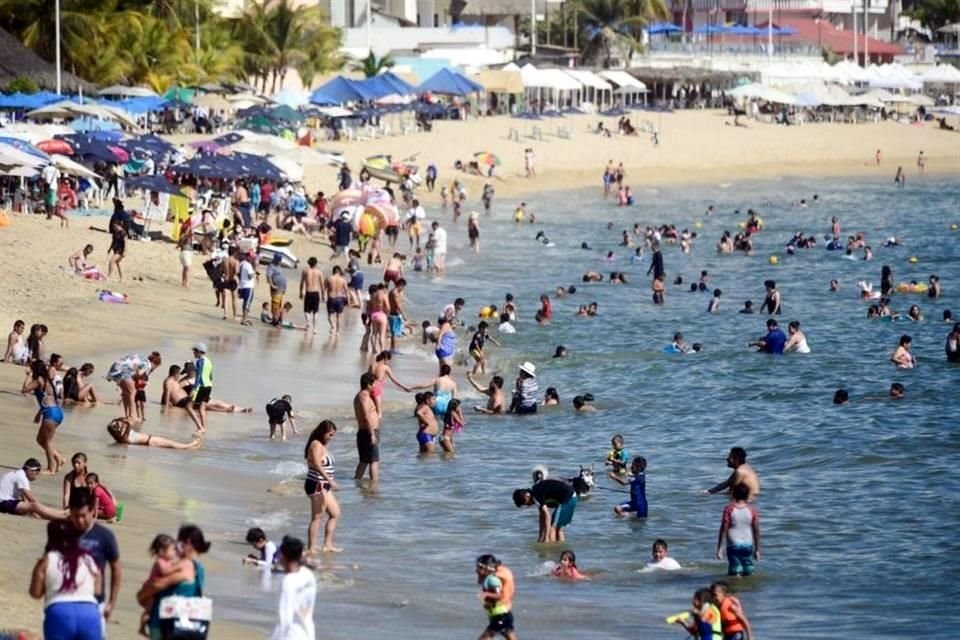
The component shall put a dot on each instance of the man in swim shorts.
(397, 317)
(368, 429)
(336, 287)
(311, 289)
(277, 280)
(549, 494)
(497, 589)
(202, 387)
(16, 498)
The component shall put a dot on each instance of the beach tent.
(758, 91)
(213, 101)
(448, 82)
(663, 27)
(25, 147)
(595, 88)
(399, 85)
(290, 98)
(500, 81)
(941, 74)
(340, 90)
(625, 85)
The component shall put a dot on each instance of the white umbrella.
(291, 98)
(127, 92)
(921, 100)
(951, 28)
(71, 167)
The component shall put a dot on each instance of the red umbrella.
(55, 146)
(120, 154)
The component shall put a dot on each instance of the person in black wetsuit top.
(656, 263)
(549, 494)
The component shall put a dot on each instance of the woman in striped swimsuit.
(320, 485)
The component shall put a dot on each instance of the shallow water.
(859, 505)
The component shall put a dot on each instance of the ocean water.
(859, 507)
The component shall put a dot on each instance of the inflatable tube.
(281, 242)
(678, 617)
(671, 349)
(346, 198)
(906, 287)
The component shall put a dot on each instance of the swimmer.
(477, 344)
(637, 481)
(581, 404)
(617, 457)
(592, 276)
(897, 391)
(494, 393)
(914, 313)
(797, 341)
(902, 356)
(714, 305)
(834, 285)
(567, 568)
(551, 397)
(660, 558)
(678, 345)
(743, 474)
(747, 307)
(561, 352)
(426, 421)
(841, 396)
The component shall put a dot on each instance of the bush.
(23, 85)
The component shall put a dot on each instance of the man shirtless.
(311, 291)
(742, 474)
(368, 429)
(494, 394)
(397, 317)
(231, 268)
(176, 395)
(336, 288)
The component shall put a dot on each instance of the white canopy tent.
(67, 110)
(595, 89)
(626, 85)
(758, 91)
(550, 86)
(941, 74)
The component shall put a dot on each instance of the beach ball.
(953, 227)
(913, 260)
(742, 225)
(773, 260)
(700, 224)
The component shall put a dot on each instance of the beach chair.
(513, 134)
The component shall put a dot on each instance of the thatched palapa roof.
(493, 7)
(17, 61)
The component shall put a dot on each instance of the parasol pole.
(56, 35)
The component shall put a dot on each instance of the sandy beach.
(695, 147)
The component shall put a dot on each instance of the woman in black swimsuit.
(320, 485)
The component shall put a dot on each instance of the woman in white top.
(67, 579)
(797, 341)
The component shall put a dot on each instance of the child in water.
(165, 560)
(617, 457)
(568, 567)
(703, 622)
(140, 399)
(452, 423)
(637, 481)
(660, 558)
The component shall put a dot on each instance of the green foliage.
(372, 65)
(153, 42)
(21, 85)
(612, 27)
(935, 14)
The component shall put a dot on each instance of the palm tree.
(610, 25)
(279, 36)
(372, 65)
(935, 14)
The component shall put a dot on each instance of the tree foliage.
(372, 65)
(153, 42)
(612, 27)
(935, 14)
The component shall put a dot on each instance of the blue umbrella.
(744, 30)
(552, 113)
(152, 144)
(527, 115)
(784, 31)
(663, 27)
(153, 183)
(710, 29)
(615, 111)
(26, 147)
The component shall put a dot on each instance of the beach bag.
(184, 618)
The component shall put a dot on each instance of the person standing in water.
(743, 474)
(396, 317)
(656, 263)
(311, 289)
(497, 589)
(336, 286)
(772, 301)
(50, 415)
(368, 430)
(202, 388)
(320, 485)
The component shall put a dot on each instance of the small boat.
(287, 259)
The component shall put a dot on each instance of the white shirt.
(440, 240)
(13, 484)
(506, 327)
(51, 175)
(266, 554)
(667, 564)
(298, 593)
(247, 275)
(85, 579)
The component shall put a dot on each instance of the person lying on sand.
(176, 394)
(123, 430)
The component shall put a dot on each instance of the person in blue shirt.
(774, 341)
(637, 481)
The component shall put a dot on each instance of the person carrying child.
(637, 481)
(165, 560)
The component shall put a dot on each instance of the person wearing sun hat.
(525, 391)
(202, 388)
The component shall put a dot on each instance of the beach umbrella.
(55, 146)
(181, 94)
(11, 155)
(205, 146)
(153, 183)
(127, 92)
(24, 147)
(663, 27)
(290, 98)
(71, 167)
(710, 29)
(147, 144)
(487, 158)
(87, 123)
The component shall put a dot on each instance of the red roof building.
(822, 34)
